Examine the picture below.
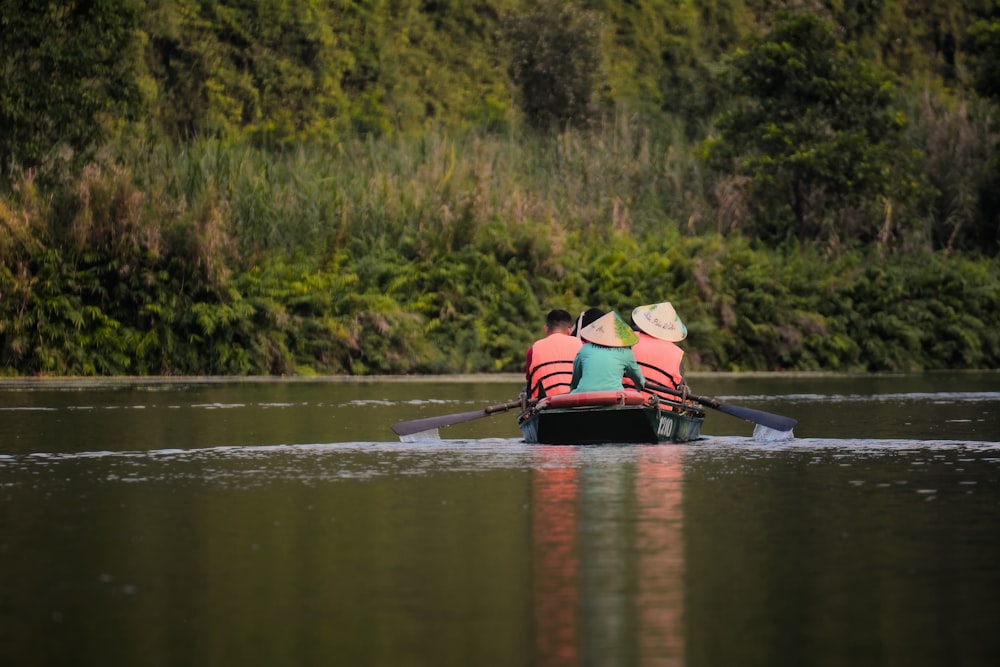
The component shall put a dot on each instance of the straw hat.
(660, 321)
(609, 331)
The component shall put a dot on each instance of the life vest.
(552, 365)
(660, 362)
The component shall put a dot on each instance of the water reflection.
(660, 547)
(843, 553)
(555, 530)
(609, 556)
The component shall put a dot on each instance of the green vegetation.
(555, 58)
(304, 186)
(65, 77)
(815, 141)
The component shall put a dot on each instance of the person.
(659, 329)
(586, 317)
(548, 364)
(606, 356)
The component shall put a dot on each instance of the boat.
(605, 417)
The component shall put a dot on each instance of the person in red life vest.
(549, 362)
(606, 356)
(662, 361)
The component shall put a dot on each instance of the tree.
(68, 69)
(270, 70)
(985, 47)
(661, 52)
(811, 134)
(555, 58)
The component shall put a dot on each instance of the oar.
(430, 423)
(776, 422)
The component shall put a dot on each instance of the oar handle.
(662, 388)
(704, 400)
(493, 409)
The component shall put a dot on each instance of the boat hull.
(607, 424)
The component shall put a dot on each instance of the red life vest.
(552, 365)
(660, 361)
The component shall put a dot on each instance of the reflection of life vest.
(552, 365)
(660, 361)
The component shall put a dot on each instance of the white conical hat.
(609, 331)
(660, 320)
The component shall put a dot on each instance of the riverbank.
(132, 381)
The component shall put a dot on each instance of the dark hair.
(558, 318)
(586, 317)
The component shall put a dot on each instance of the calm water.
(283, 523)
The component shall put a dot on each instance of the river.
(200, 521)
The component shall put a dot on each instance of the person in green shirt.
(606, 356)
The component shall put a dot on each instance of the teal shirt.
(598, 368)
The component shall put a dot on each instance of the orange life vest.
(660, 361)
(552, 365)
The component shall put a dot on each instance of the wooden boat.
(601, 417)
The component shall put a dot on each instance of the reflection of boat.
(599, 417)
(603, 595)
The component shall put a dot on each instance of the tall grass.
(441, 253)
(436, 188)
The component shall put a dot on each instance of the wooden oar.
(431, 423)
(776, 422)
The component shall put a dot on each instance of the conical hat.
(660, 321)
(609, 331)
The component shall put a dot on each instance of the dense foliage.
(555, 58)
(815, 139)
(308, 186)
(66, 76)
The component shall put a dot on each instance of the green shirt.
(598, 368)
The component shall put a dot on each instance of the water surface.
(262, 523)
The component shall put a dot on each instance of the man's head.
(558, 321)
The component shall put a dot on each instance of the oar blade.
(772, 421)
(431, 423)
